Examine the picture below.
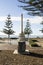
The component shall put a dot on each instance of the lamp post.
(21, 43)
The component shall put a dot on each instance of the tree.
(42, 25)
(8, 27)
(34, 7)
(27, 29)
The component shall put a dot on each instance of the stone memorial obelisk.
(21, 43)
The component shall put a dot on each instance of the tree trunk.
(8, 38)
(28, 37)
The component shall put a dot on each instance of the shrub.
(32, 43)
(35, 45)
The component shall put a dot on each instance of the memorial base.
(21, 47)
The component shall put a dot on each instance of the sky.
(11, 7)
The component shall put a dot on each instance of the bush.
(32, 43)
(35, 45)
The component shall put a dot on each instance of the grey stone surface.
(21, 47)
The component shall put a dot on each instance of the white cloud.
(31, 20)
(2, 18)
(1, 33)
(35, 19)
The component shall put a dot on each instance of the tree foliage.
(42, 25)
(27, 29)
(8, 26)
(34, 7)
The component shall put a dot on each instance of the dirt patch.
(34, 58)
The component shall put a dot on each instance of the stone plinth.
(22, 37)
(21, 43)
(21, 47)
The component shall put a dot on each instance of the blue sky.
(11, 7)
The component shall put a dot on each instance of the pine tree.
(42, 25)
(8, 27)
(34, 7)
(27, 29)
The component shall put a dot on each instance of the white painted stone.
(27, 50)
(15, 52)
